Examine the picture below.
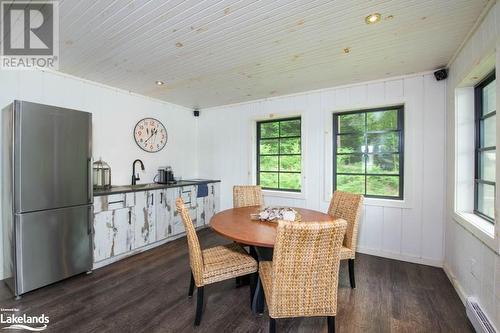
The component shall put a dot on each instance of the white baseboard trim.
(454, 282)
(400, 256)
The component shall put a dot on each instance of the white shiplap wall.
(114, 114)
(473, 267)
(411, 230)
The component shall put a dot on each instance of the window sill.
(396, 203)
(284, 194)
(480, 228)
(391, 203)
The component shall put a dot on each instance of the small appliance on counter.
(102, 175)
(165, 176)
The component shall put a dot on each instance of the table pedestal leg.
(260, 254)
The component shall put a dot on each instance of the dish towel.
(202, 191)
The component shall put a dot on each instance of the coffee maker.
(165, 175)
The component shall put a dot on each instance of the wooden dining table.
(237, 225)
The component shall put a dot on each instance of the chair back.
(306, 269)
(347, 206)
(247, 195)
(195, 256)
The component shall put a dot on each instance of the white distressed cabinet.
(165, 207)
(144, 214)
(128, 223)
(113, 225)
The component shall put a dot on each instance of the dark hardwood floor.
(148, 293)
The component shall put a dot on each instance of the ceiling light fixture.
(373, 18)
(159, 83)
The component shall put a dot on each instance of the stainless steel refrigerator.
(46, 194)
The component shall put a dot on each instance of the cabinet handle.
(161, 197)
(152, 199)
(129, 217)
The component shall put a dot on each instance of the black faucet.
(134, 177)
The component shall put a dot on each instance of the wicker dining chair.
(348, 206)
(302, 279)
(215, 264)
(247, 195)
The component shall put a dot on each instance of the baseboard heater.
(478, 318)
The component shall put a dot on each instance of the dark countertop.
(151, 186)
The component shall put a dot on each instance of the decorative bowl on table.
(274, 214)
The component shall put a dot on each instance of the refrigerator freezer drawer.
(52, 245)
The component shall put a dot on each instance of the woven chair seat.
(346, 253)
(225, 262)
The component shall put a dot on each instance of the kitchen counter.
(151, 186)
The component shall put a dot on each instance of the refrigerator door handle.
(90, 220)
(89, 180)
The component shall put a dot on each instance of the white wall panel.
(391, 234)
(411, 232)
(473, 266)
(373, 227)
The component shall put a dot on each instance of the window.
(279, 157)
(485, 148)
(368, 152)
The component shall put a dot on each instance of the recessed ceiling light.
(347, 50)
(373, 18)
(159, 83)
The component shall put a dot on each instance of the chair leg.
(259, 298)
(199, 306)
(191, 286)
(331, 324)
(272, 325)
(351, 273)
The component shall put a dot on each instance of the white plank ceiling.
(216, 52)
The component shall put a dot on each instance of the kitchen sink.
(144, 185)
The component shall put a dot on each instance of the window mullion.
(366, 150)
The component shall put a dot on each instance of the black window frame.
(400, 152)
(279, 120)
(478, 118)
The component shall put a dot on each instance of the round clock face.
(150, 135)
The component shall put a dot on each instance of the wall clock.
(150, 135)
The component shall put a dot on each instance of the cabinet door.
(188, 195)
(208, 206)
(177, 226)
(200, 212)
(113, 233)
(123, 239)
(103, 235)
(164, 214)
(144, 215)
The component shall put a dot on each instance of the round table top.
(236, 224)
